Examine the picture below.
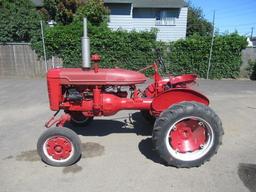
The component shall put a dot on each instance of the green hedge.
(192, 56)
(134, 50)
(117, 49)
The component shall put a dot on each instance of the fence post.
(42, 34)
(210, 57)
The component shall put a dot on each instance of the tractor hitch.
(59, 122)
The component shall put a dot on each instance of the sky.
(231, 15)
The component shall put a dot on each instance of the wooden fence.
(19, 60)
(247, 55)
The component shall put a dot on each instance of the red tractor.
(186, 131)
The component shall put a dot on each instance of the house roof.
(38, 3)
(118, 1)
(152, 3)
(139, 3)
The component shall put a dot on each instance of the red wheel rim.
(189, 138)
(58, 148)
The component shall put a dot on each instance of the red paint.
(78, 76)
(160, 84)
(156, 88)
(96, 99)
(54, 92)
(95, 58)
(58, 121)
(56, 78)
(174, 96)
(111, 104)
(188, 136)
(59, 148)
(100, 91)
(183, 79)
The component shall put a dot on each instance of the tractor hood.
(78, 76)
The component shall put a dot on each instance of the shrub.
(19, 21)
(192, 56)
(134, 50)
(131, 50)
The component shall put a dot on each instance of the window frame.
(162, 18)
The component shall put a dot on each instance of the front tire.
(187, 134)
(59, 147)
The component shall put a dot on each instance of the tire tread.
(71, 135)
(174, 112)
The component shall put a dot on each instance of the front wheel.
(59, 147)
(187, 134)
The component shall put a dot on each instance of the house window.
(165, 17)
(119, 8)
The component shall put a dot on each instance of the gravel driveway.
(118, 155)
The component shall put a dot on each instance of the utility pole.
(210, 57)
(42, 35)
(252, 32)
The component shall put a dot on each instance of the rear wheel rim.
(189, 138)
(58, 149)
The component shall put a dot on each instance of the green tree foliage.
(61, 11)
(197, 24)
(94, 10)
(19, 21)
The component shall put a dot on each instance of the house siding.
(144, 19)
(177, 31)
(120, 16)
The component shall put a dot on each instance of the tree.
(18, 20)
(61, 11)
(197, 24)
(94, 10)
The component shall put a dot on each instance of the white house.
(168, 16)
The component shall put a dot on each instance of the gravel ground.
(119, 156)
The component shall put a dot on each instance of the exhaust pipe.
(86, 63)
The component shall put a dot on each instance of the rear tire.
(59, 147)
(187, 134)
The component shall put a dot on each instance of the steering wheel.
(160, 61)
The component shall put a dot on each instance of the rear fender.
(174, 96)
